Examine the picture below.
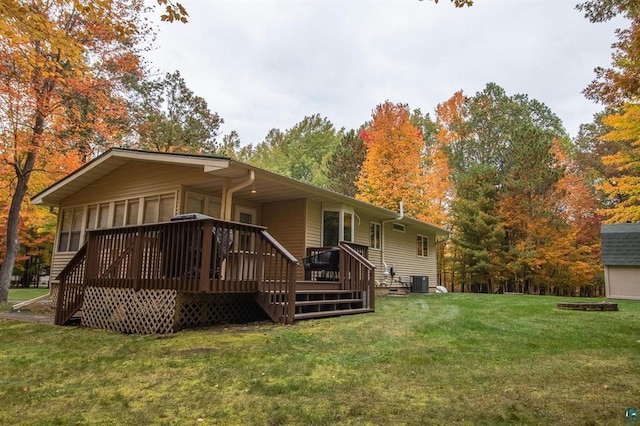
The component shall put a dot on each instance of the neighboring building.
(128, 187)
(621, 260)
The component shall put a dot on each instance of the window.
(132, 212)
(97, 217)
(330, 228)
(118, 214)
(245, 239)
(70, 229)
(199, 203)
(374, 235)
(158, 208)
(337, 225)
(397, 227)
(347, 226)
(422, 246)
(75, 221)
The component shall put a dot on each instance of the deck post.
(136, 266)
(205, 262)
(91, 262)
(372, 290)
(259, 265)
(291, 293)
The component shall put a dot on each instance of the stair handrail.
(69, 301)
(290, 289)
(366, 263)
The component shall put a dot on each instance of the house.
(621, 260)
(121, 203)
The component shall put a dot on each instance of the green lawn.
(438, 359)
(22, 294)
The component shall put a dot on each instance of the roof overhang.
(111, 160)
(268, 185)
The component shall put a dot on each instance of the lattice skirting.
(164, 311)
(129, 311)
(199, 310)
(53, 289)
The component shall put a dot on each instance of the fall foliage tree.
(621, 82)
(391, 171)
(623, 190)
(61, 71)
(522, 213)
(618, 88)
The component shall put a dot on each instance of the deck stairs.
(319, 299)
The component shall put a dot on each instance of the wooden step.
(325, 291)
(322, 314)
(327, 302)
(317, 285)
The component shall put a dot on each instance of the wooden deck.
(199, 258)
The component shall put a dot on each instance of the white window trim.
(83, 230)
(341, 211)
(379, 226)
(427, 239)
(112, 203)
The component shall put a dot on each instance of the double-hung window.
(375, 235)
(70, 229)
(337, 225)
(422, 246)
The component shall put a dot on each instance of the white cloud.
(266, 64)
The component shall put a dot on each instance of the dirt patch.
(41, 312)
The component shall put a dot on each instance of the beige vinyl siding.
(285, 222)
(135, 180)
(58, 262)
(131, 181)
(313, 236)
(400, 252)
(622, 282)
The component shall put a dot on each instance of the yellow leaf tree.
(623, 191)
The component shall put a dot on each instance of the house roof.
(621, 244)
(267, 187)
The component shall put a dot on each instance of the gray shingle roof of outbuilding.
(621, 244)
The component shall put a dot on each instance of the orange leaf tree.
(62, 61)
(522, 215)
(391, 171)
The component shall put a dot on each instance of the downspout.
(386, 268)
(228, 196)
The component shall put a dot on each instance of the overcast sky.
(266, 64)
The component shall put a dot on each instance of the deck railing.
(310, 275)
(357, 273)
(71, 287)
(279, 279)
(190, 256)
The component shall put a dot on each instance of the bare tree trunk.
(23, 174)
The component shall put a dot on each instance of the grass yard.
(438, 359)
(22, 294)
